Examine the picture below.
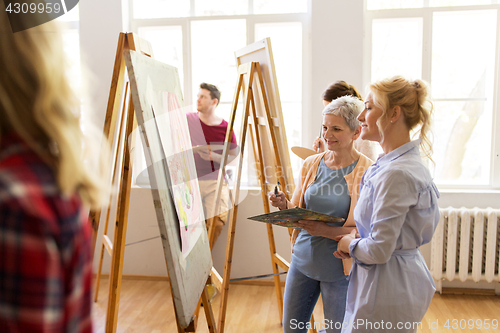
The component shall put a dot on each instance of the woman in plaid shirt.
(45, 254)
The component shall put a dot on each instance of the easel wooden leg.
(94, 217)
(258, 154)
(277, 280)
(111, 119)
(106, 242)
(227, 270)
(208, 310)
(211, 231)
(120, 233)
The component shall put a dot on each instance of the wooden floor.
(146, 306)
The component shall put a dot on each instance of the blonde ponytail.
(413, 99)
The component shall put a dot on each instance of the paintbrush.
(320, 134)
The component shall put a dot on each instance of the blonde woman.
(45, 254)
(390, 287)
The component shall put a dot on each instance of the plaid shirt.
(45, 257)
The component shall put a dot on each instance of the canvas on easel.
(118, 127)
(165, 135)
(262, 120)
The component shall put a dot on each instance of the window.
(169, 53)
(286, 40)
(452, 45)
(213, 43)
(71, 44)
(397, 48)
(200, 37)
(150, 9)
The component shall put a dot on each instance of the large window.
(71, 44)
(452, 44)
(200, 37)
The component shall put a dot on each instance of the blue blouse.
(396, 213)
(328, 194)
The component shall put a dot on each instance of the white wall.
(336, 54)
(100, 24)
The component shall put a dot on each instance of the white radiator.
(466, 246)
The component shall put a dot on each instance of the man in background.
(208, 132)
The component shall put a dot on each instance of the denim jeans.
(301, 295)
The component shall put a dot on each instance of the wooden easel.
(121, 172)
(121, 167)
(251, 84)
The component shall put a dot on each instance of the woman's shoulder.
(362, 165)
(399, 174)
(313, 160)
(364, 160)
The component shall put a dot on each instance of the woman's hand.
(345, 241)
(341, 255)
(278, 200)
(319, 145)
(315, 228)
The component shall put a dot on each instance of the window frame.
(426, 13)
(251, 21)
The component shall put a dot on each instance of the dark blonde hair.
(413, 99)
(339, 89)
(37, 103)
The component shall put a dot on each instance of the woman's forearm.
(338, 231)
(320, 229)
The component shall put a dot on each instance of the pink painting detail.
(185, 188)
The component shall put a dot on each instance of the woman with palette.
(333, 91)
(329, 183)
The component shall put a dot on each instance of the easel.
(247, 73)
(122, 162)
(121, 168)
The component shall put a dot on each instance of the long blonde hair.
(413, 99)
(37, 102)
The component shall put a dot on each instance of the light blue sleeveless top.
(329, 194)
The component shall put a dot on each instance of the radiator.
(466, 246)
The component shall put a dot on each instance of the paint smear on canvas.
(174, 134)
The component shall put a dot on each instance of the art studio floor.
(146, 307)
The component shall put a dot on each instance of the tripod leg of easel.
(277, 280)
(258, 155)
(211, 231)
(208, 310)
(233, 213)
(211, 236)
(115, 275)
(106, 242)
(94, 217)
(99, 269)
(227, 269)
(111, 118)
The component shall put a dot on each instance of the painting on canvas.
(174, 134)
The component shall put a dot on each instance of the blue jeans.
(301, 295)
